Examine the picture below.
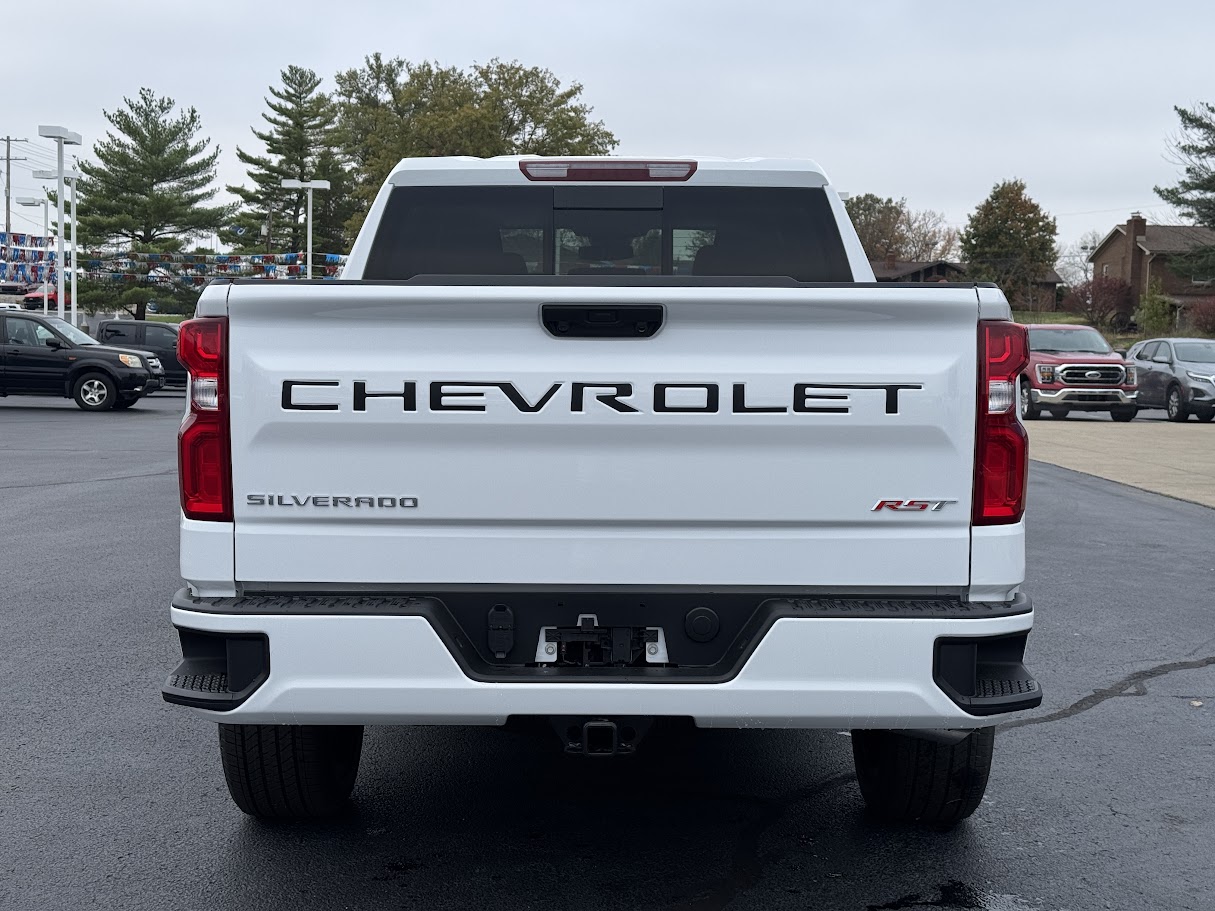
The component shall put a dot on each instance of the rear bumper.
(871, 669)
(1083, 399)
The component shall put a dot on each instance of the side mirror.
(1161, 359)
(1121, 352)
(54, 343)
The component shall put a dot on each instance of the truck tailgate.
(481, 461)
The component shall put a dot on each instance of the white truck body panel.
(600, 497)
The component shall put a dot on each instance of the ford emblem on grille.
(1093, 375)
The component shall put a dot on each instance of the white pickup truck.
(603, 442)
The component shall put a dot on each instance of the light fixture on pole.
(46, 231)
(73, 176)
(309, 185)
(62, 136)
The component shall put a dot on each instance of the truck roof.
(506, 170)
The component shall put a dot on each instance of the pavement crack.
(747, 863)
(121, 477)
(1130, 685)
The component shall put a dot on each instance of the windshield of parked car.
(1200, 352)
(1072, 341)
(70, 332)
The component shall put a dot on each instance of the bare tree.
(928, 236)
(1073, 265)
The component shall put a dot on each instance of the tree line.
(151, 181)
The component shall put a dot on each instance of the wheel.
(1060, 413)
(121, 403)
(290, 771)
(1029, 411)
(1206, 416)
(1125, 413)
(910, 779)
(1175, 405)
(95, 392)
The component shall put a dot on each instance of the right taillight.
(1001, 445)
(204, 457)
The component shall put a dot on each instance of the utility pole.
(8, 180)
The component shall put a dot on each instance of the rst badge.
(912, 505)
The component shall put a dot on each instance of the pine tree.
(1194, 194)
(151, 178)
(300, 117)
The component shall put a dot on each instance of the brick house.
(1138, 254)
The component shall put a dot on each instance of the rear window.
(608, 230)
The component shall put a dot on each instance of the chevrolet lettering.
(651, 406)
(576, 397)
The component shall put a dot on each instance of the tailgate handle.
(601, 321)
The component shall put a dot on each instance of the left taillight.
(1001, 444)
(204, 451)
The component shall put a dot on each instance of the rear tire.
(1029, 411)
(1060, 413)
(120, 403)
(1206, 416)
(95, 392)
(1175, 405)
(290, 771)
(1124, 414)
(909, 779)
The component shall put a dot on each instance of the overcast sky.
(932, 101)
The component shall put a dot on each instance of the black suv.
(44, 355)
(159, 338)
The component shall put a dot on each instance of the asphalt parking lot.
(112, 799)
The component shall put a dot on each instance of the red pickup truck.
(1073, 368)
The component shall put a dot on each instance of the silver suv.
(1178, 375)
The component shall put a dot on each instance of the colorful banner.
(20, 272)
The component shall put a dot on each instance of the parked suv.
(1178, 375)
(159, 338)
(1073, 368)
(44, 355)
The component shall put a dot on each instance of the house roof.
(1175, 238)
(1162, 239)
(882, 269)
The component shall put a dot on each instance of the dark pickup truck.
(159, 338)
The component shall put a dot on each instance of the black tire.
(94, 392)
(910, 779)
(1060, 413)
(290, 771)
(1124, 414)
(1206, 416)
(1175, 404)
(1029, 411)
(121, 403)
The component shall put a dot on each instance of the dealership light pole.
(309, 185)
(46, 231)
(62, 136)
(73, 176)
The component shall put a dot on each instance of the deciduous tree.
(1009, 240)
(888, 227)
(393, 109)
